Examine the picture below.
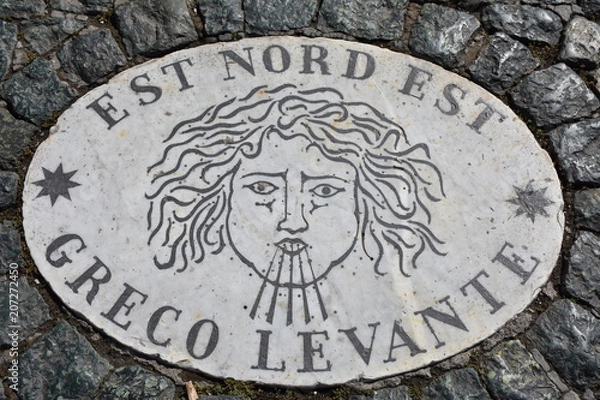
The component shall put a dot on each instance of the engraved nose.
(293, 220)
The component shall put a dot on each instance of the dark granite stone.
(153, 26)
(591, 8)
(459, 384)
(578, 148)
(523, 22)
(511, 373)
(279, 15)
(581, 42)
(582, 279)
(221, 397)
(10, 248)
(21, 8)
(501, 63)
(14, 138)
(472, 4)
(568, 336)
(587, 209)
(82, 6)
(554, 96)
(61, 363)
(222, 16)
(134, 382)
(92, 56)
(8, 40)
(548, 2)
(36, 93)
(397, 393)
(369, 19)
(9, 184)
(32, 310)
(442, 33)
(42, 35)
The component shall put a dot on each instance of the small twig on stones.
(191, 391)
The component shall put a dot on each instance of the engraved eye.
(262, 187)
(325, 190)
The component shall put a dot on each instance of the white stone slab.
(293, 211)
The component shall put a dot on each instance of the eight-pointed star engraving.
(56, 184)
(531, 201)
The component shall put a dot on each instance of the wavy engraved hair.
(395, 181)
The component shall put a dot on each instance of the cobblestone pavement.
(539, 56)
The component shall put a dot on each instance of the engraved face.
(281, 177)
(293, 213)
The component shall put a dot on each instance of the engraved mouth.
(291, 246)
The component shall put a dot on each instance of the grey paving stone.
(42, 35)
(134, 382)
(92, 56)
(442, 33)
(32, 311)
(554, 96)
(571, 395)
(279, 15)
(582, 279)
(153, 26)
(556, 379)
(82, 6)
(14, 138)
(222, 16)
(459, 384)
(9, 184)
(369, 19)
(523, 22)
(501, 63)
(591, 8)
(8, 40)
(587, 209)
(36, 93)
(569, 338)
(511, 373)
(61, 363)
(596, 77)
(564, 11)
(578, 148)
(397, 393)
(581, 42)
(589, 395)
(10, 247)
(21, 8)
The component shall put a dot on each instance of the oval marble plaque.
(293, 211)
